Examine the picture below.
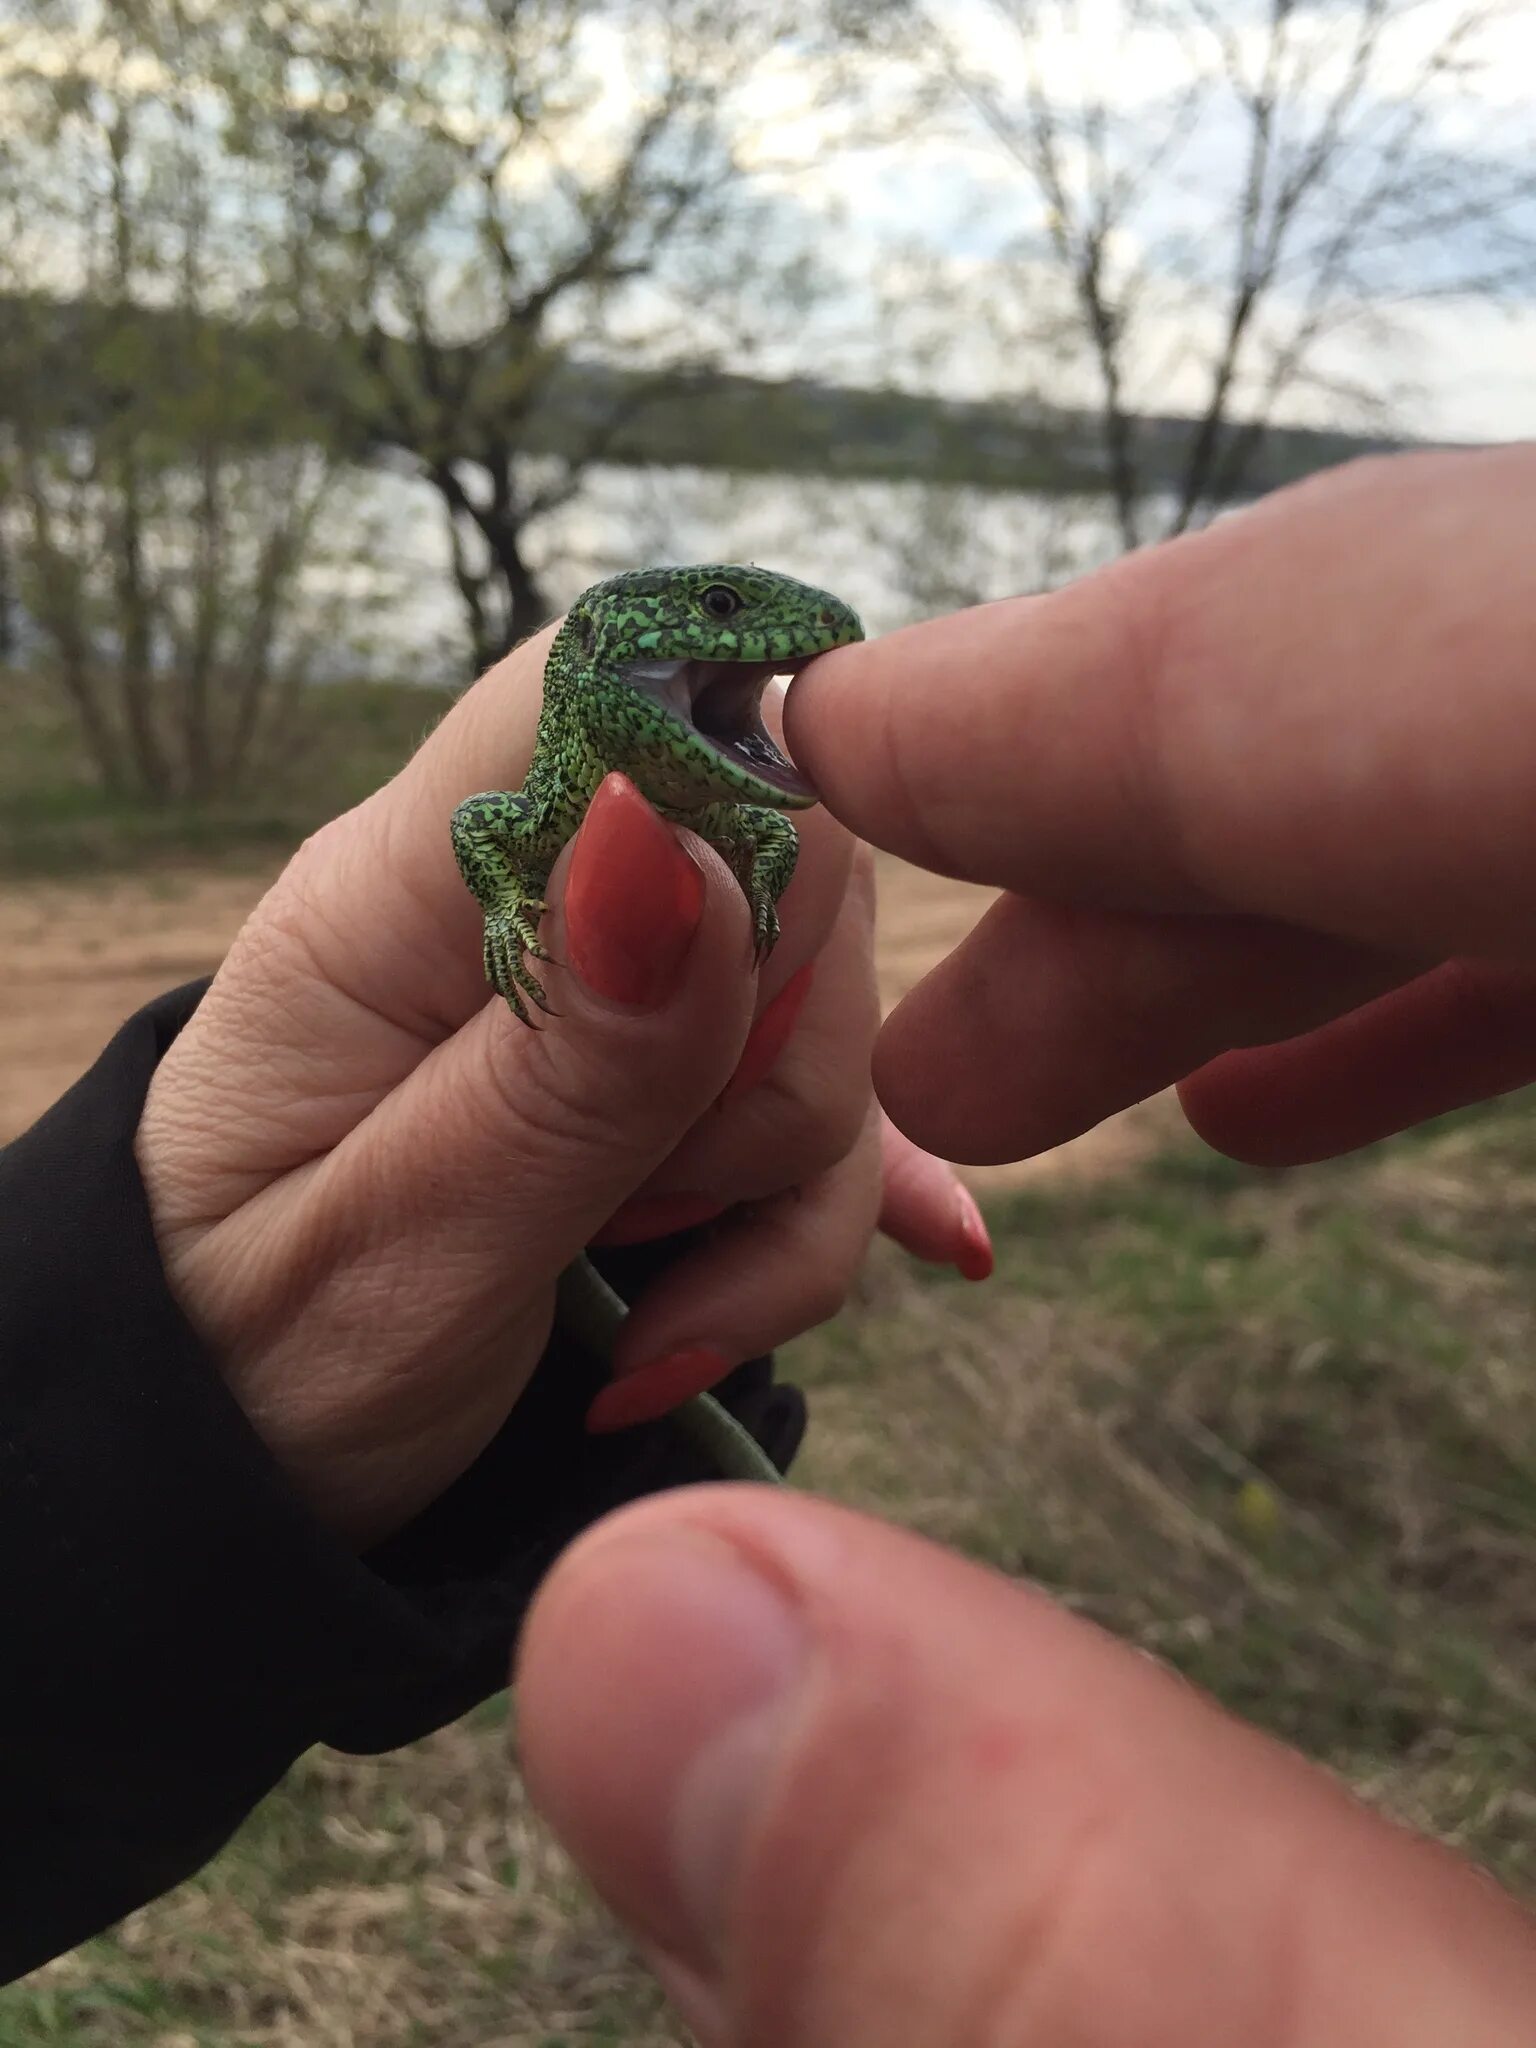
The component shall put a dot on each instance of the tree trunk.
(278, 554)
(494, 628)
(8, 605)
(136, 682)
(61, 614)
(202, 641)
(527, 607)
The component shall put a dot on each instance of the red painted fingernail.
(656, 1389)
(975, 1258)
(770, 1034)
(649, 1216)
(633, 900)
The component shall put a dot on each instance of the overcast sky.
(941, 206)
(1457, 368)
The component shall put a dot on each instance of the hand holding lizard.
(366, 1178)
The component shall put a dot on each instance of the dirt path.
(75, 960)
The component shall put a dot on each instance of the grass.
(55, 819)
(1278, 1429)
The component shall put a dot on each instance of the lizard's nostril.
(825, 619)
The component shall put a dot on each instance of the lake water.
(897, 552)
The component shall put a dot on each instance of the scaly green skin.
(596, 719)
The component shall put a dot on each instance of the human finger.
(1047, 1018)
(846, 1787)
(1460, 1034)
(1277, 716)
(799, 1096)
(764, 1274)
(928, 1210)
(769, 1270)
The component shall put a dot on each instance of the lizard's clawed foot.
(509, 935)
(762, 855)
(765, 925)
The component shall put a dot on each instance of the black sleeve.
(175, 1628)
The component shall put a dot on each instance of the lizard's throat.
(720, 704)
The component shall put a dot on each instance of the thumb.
(378, 1312)
(648, 983)
(850, 1789)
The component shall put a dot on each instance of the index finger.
(1322, 710)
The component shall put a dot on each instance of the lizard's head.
(694, 650)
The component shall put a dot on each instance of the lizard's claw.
(765, 925)
(509, 935)
(761, 847)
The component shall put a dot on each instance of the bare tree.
(1215, 193)
(165, 483)
(520, 220)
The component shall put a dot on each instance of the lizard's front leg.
(497, 841)
(760, 846)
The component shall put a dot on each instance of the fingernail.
(686, 1746)
(975, 1258)
(770, 1034)
(649, 1216)
(633, 900)
(656, 1388)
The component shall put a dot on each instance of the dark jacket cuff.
(177, 1626)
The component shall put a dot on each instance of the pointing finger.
(1045, 1020)
(1318, 711)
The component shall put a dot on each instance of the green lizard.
(659, 674)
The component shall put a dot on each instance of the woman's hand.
(1274, 782)
(366, 1176)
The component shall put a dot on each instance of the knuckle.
(1033, 1969)
(1007, 1948)
(1040, 1973)
(560, 1105)
(297, 917)
(1149, 641)
(810, 1119)
(1040, 1968)
(819, 1266)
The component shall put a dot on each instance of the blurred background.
(342, 344)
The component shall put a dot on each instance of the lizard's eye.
(720, 601)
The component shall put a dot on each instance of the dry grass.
(1279, 1430)
(390, 1901)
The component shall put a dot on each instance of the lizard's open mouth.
(722, 702)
